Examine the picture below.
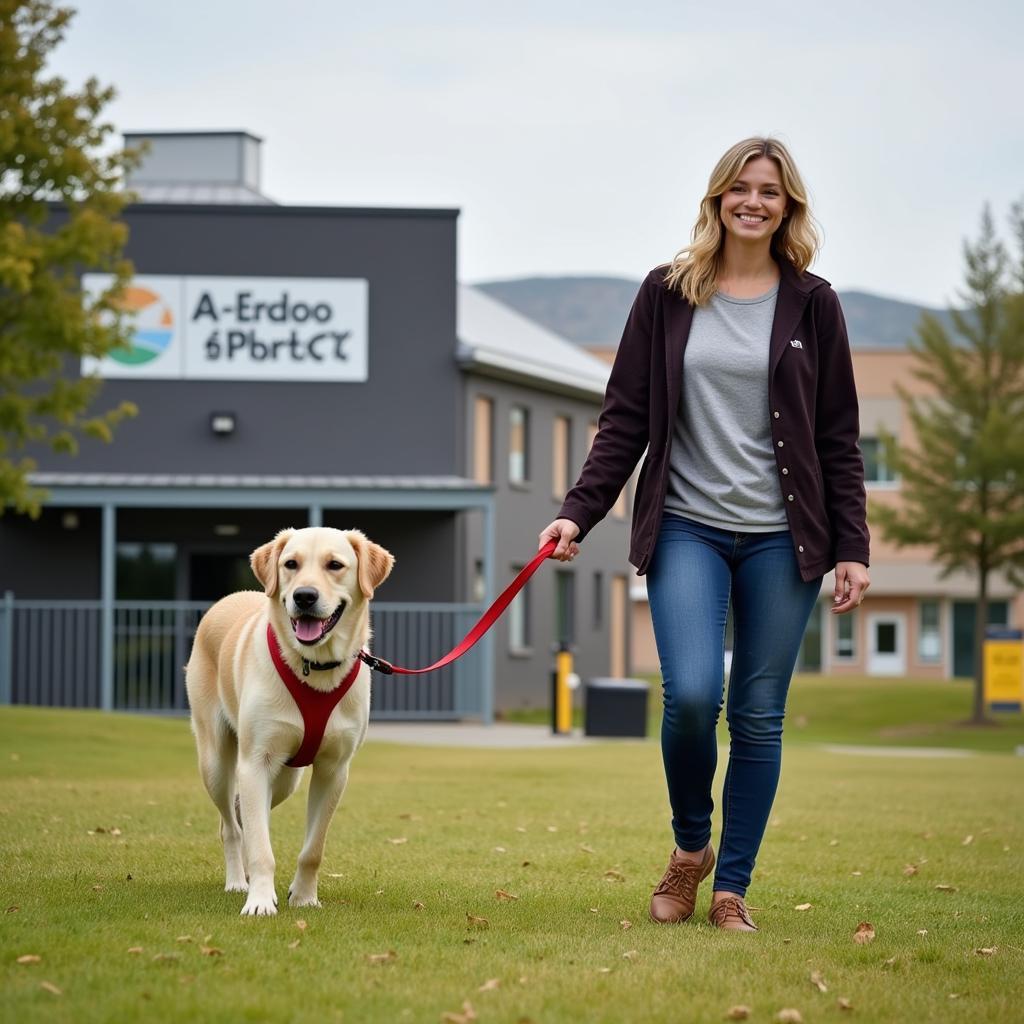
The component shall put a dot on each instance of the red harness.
(315, 706)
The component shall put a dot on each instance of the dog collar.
(315, 706)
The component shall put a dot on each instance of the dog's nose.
(305, 597)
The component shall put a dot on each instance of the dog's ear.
(375, 564)
(264, 561)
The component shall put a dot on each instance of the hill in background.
(592, 310)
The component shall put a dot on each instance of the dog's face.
(318, 576)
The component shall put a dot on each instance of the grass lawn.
(866, 710)
(112, 876)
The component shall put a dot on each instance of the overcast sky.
(578, 138)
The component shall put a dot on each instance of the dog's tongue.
(308, 628)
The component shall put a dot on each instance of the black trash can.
(615, 707)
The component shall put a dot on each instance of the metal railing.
(51, 655)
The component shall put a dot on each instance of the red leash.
(487, 620)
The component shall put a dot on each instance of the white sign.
(239, 328)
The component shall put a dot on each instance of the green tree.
(962, 481)
(60, 198)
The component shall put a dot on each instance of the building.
(310, 365)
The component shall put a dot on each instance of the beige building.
(913, 622)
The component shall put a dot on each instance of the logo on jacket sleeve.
(796, 343)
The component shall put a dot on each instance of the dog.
(317, 585)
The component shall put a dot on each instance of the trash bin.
(615, 707)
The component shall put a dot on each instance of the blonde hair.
(695, 269)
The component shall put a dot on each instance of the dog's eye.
(291, 564)
(334, 565)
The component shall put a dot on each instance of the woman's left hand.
(851, 585)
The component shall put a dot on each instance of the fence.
(51, 655)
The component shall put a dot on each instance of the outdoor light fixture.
(227, 529)
(222, 423)
(69, 520)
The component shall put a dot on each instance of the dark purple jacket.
(814, 422)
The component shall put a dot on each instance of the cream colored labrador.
(317, 587)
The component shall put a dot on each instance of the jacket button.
(789, 497)
(776, 414)
(781, 445)
(785, 472)
(800, 549)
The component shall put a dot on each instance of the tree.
(962, 482)
(59, 203)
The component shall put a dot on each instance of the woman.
(734, 372)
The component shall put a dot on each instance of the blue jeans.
(694, 573)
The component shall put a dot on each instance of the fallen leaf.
(922, 931)
(183, 938)
(294, 944)
(335, 874)
(625, 925)
(552, 828)
(891, 962)
(910, 869)
(211, 951)
(500, 849)
(818, 981)
(51, 988)
(301, 925)
(864, 933)
(586, 848)
(467, 1016)
(737, 1012)
(418, 905)
(631, 954)
(788, 1015)
(604, 970)
(477, 922)
(833, 842)
(382, 958)
(945, 888)
(986, 950)
(967, 841)
(843, 1003)
(803, 906)
(97, 888)
(135, 949)
(953, 995)
(519, 828)
(13, 909)
(115, 831)
(612, 875)
(504, 896)
(399, 840)
(490, 985)
(593, 910)
(526, 863)
(29, 958)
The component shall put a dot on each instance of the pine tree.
(962, 482)
(60, 198)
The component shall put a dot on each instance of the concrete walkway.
(509, 736)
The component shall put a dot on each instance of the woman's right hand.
(564, 531)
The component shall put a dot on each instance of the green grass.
(864, 710)
(844, 828)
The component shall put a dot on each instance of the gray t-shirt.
(722, 468)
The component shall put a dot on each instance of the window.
(561, 456)
(147, 572)
(483, 440)
(519, 617)
(875, 469)
(565, 607)
(929, 634)
(518, 445)
(598, 600)
(479, 581)
(846, 648)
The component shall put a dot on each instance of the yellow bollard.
(561, 697)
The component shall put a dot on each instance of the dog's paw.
(261, 903)
(236, 885)
(299, 899)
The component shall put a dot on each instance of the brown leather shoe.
(730, 913)
(676, 896)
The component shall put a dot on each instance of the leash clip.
(377, 664)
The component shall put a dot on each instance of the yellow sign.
(1004, 670)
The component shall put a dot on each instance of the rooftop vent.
(197, 167)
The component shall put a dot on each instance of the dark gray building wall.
(41, 558)
(410, 403)
(523, 678)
